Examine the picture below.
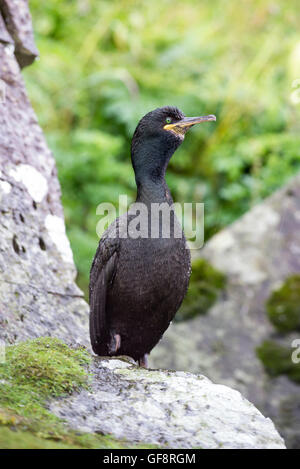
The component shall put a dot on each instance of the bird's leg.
(115, 343)
(143, 361)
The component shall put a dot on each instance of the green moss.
(17, 438)
(283, 306)
(12, 439)
(205, 285)
(48, 365)
(35, 371)
(277, 360)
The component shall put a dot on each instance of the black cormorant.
(137, 283)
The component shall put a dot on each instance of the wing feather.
(102, 272)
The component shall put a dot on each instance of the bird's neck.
(150, 164)
(151, 190)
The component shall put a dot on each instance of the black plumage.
(138, 284)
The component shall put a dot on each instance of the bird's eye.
(168, 120)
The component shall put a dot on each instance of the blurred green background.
(105, 63)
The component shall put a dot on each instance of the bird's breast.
(148, 286)
(152, 274)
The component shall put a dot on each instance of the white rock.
(5, 187)
(171, 409)
(57, 232)
(33, 180)
(113, 364)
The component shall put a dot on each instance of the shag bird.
(137, 283)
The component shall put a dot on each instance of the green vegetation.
(105, 64)
(34, 372)
(283, 306)
(277, 360)
(205, 285)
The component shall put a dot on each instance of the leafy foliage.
(105, 64)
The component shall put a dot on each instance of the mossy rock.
(34, 372)
(283, 306)
(277, 360)
(205, 285)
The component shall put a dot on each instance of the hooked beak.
(180, 127)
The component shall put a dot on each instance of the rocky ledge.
(165, 408)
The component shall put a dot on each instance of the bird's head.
(157, 135)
